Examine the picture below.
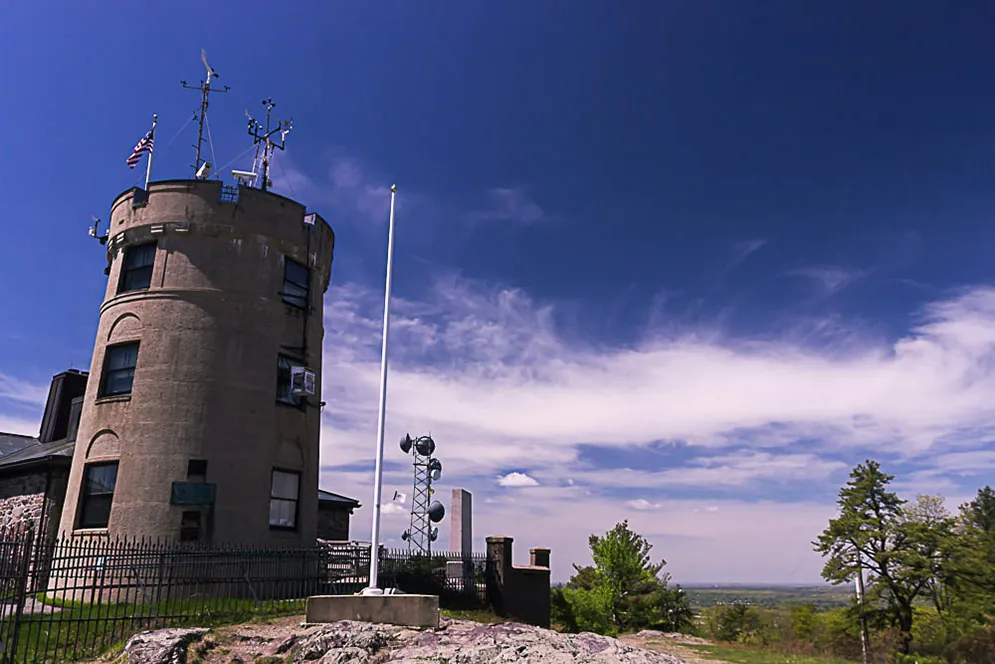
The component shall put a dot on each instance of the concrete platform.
(406, 610)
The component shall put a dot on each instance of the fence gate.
(15, 566)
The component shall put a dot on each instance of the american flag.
(144, 145)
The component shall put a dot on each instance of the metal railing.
(75, 599)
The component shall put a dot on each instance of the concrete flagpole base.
(421, 611)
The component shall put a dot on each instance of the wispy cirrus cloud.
(359, 194)
(22, 391)
(829, 279)
(509, 204)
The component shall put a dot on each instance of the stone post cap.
(500, 538)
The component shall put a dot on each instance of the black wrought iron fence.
(77, 598)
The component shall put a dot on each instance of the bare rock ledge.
(454, 642)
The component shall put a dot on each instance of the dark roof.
(12, 442)
(343, 501)
(31, 452)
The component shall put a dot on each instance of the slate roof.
(12, 442)
(343, 501)
(16, 450)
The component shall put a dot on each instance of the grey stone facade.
(23, 502)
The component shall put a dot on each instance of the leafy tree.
(626, 586)
(802, 620)
(896, 546)
(972, 569)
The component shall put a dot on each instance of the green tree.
(802, 621)
(972, 573)
(626, 585)
(895, 545)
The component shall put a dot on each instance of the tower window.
(119, 369)
(284, 387)
(136, 273)
(283, 496)
(97, 494)
(296, 283)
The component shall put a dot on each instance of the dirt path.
(671, 644)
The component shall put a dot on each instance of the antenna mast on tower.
(205, 91)
(283, 127)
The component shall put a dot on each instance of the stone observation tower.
(201, 416)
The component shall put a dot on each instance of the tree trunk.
(905, 626)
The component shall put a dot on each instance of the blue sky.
(684, 263)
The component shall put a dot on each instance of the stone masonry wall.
(22, 500)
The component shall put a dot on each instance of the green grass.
(80, 631)
(738, 655)
(480, 616)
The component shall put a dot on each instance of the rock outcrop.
(347, 642)
(163, 646)
(461, 642)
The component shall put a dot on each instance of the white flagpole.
(373, 588)
(148, 167)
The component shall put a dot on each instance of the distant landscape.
(822, 597)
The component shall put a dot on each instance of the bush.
(977, 645)
(589, 610)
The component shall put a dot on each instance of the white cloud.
(642, 505)
(22, 391)
(393, 508)
(487, 371)
(516, 480)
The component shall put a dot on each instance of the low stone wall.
(22, 501)
(518, 592)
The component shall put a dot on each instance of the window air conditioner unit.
(302, 381)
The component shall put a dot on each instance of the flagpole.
(148, 167)
(373, 588)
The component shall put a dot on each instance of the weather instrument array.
(262, 137)
(202, 168)
(424, 511)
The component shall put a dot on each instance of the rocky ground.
(455, 642)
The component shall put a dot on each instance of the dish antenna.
(425, 446)
(424, 511)
(436, 511)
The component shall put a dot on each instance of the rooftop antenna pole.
(205, 91)
(265, 135)
(373, 588)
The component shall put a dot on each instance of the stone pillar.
(461, 522)
(498, 571)
(539, 557)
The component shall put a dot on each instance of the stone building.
(34, 470)
(333, 516)
(201, 418)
